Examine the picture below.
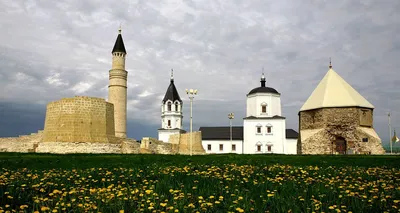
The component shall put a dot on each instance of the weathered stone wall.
(319, 129)
(178, 144)
(79, 119)
(322, 118)
(183, 142)
(23, 143)
(33, 143)
(152, 145)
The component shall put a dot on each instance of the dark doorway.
(340, 145)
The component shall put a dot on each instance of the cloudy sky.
(55, 49)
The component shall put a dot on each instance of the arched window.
(169, 123)
(258, 147)
(268, 147)
(258, 129)
(269, 129)
(169, 106)
(176, 107)
(264, 108)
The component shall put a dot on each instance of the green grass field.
(212, 183)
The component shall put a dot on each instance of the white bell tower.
(171, 113)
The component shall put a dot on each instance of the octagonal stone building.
(336, 119)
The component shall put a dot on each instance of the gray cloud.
(54, 50)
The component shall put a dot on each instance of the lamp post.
(390, 133)
(231, 116)
(191, 93)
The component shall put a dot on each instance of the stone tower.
(171, 113)
(117, 88)
(336, 119)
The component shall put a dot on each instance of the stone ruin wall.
(79, 119)
(183, 142)
(34, 144)
(319, 127)
(178, 144)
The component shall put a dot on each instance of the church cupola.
(263, 88)
(263, 101)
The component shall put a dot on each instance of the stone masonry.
(117, 92)
(79, 119)
(178, 144)
(320, 128)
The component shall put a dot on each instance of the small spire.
(330, 63)
(172, 74)
(119, 30)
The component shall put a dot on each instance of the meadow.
(212, 183)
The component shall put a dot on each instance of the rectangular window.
(365, 139)
(269, 148)
(258, 129)
(269, 129)
(263, 109)
(169, 122)
(221, 147)
(209, 147)
(233, 147)
(258, 148)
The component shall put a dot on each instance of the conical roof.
(334, 91)
(119, 44)
(172, 93)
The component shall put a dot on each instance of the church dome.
(263, 88)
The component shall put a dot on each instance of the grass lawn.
(211, 183)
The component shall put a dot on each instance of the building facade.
(264, 128)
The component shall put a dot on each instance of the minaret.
(171, 113)
(117, 89)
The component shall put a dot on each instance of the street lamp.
(191, 93)
(231, 116)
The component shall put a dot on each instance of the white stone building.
(171, 113)
(264, 128)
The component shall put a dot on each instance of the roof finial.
(330, 63)
(262, 78)
(119, 30)
(172, 74)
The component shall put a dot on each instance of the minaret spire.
(120, 29)
(172, 75)
(262, 78)
(119, 43)
(330, 63)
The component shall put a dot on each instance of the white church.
(263, 131)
